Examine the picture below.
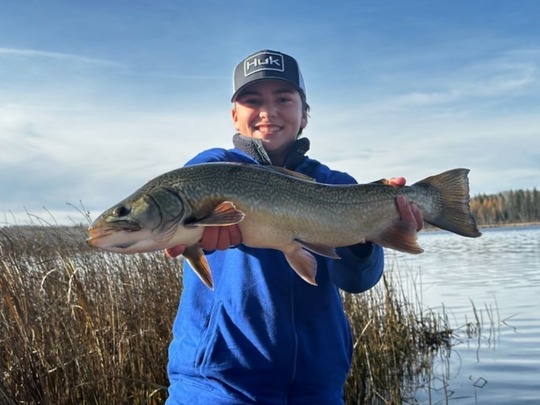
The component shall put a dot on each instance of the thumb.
(175, 251)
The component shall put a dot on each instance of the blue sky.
(97, 97)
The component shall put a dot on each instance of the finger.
(405, 209)
(235, 235)
(418, 216)
(209, 238)
(223, 240)
(410, 212)
(397, 181)
(175, 251)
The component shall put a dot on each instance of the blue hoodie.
(264, 335)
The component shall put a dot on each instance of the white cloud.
(476, 82)
(58, 56)
(96, 139)
(53, 156)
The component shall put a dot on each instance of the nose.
(268, 110)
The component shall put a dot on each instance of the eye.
(251, 101)
(121, 211)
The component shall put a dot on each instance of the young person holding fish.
(263, 335)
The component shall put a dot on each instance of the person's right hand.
(220, 237)
(214, 238)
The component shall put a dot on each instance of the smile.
(268, 129)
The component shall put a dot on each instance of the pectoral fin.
(195, 256)
(303, 263)
(223, 215)
(322, 250)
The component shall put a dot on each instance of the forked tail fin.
(453, 213)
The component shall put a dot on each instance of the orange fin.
(195, 256)
(303, 263)
(223, 215)
(322, 250)
(401, 235)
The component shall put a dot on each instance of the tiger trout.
(277, 209)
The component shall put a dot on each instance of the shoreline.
(431, 228)
(512, 225)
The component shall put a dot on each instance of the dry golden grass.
(396, 342)
(84, 327)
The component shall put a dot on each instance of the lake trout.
(277, 209)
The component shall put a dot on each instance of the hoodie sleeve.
(354, 274)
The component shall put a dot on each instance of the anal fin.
(322, 250)
(400, 235)
(303, 263)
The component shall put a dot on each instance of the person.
(264, 335)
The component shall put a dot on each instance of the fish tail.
(452, 210)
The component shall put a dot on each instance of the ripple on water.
(498, 276)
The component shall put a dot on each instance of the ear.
(304, 120)
(235, 117)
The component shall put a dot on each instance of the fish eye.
(121, 211)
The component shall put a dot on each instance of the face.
(270, 110)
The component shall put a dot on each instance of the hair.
(305, 109)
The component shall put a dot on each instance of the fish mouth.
(114, 226)
(100, 231)
(93, 242)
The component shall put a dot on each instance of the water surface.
(498, 276)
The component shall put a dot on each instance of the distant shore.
(429, 228)
(512, 225)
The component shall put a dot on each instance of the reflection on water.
(493, 281)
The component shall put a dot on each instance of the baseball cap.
(267, 64)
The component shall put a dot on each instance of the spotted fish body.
(277, 209)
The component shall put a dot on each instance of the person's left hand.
(408, 211)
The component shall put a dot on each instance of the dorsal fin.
(286, 172)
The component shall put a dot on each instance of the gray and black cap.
(267, 64)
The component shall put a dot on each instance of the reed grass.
(396, 342)
(85, 327)
(80, 327)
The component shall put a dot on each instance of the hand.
(408, 211)
(175, 251)
(220, 237)
(214, 238)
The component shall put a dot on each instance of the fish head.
(143, 222)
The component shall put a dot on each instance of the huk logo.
(263, 61)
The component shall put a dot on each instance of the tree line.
(509, 207)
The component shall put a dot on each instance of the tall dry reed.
(84, 327)
(81, 327)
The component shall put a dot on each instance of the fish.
(277, 209)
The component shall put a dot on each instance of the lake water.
(497, 274)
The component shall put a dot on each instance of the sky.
(98, 97)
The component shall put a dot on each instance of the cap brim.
(241, 89)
